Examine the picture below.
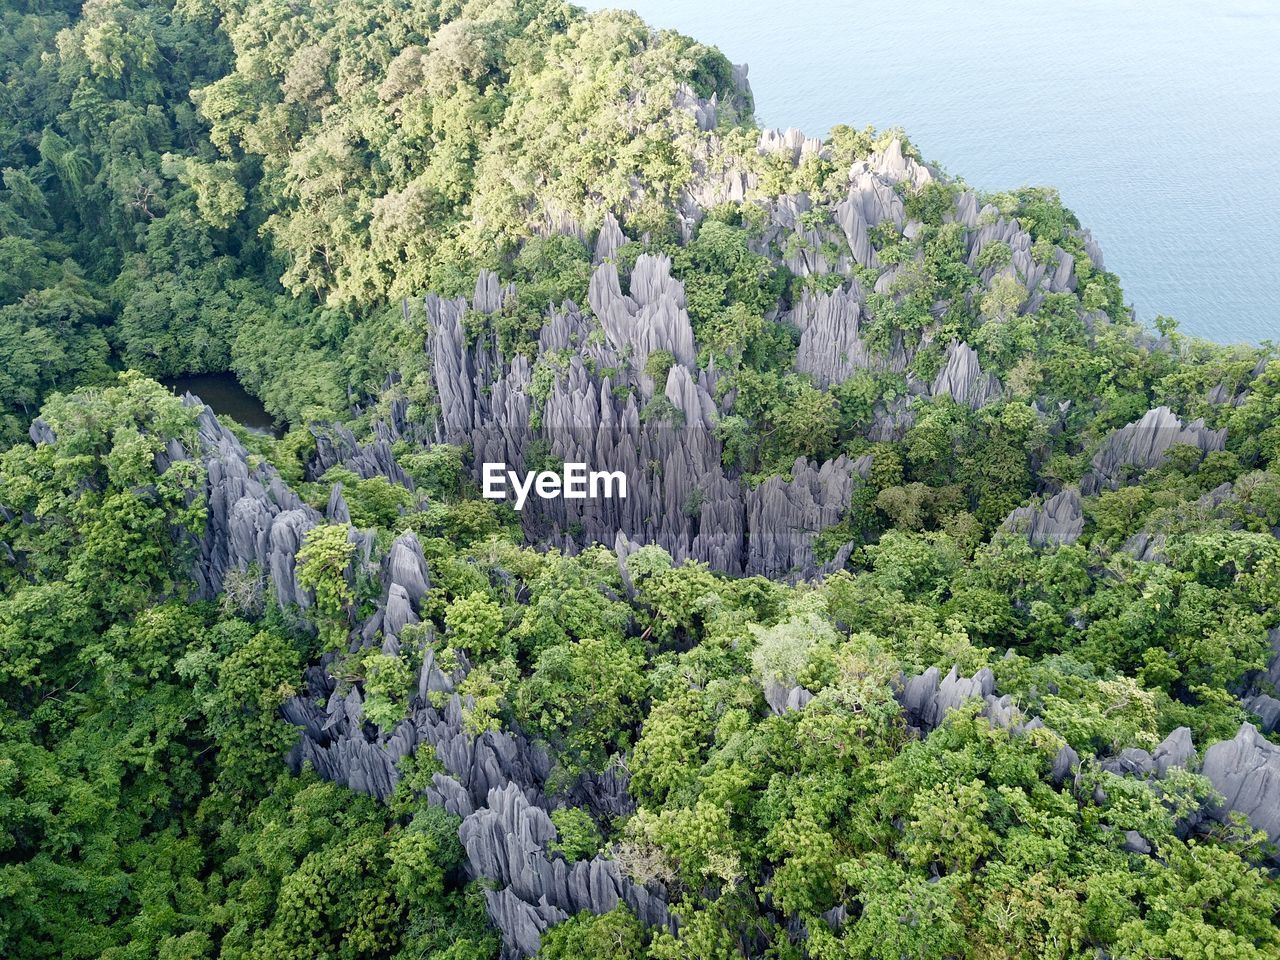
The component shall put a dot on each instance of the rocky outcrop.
(962, 379)
(784, 698)
(407, 567)
(1059, 520)
(345, 749)
(336, 446)
(926, 699)
(783, 517)
(791, 142)
(1143, 445)
(1176, 750)
(254, 521)
(1267, 709)
(507, 843)
(609, 240)
(831, 346)
(650, 317)
(1147, 547)
(604, 410)
(1246, 772)
(495, 782)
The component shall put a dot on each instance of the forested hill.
(195, 186)
(942, 619)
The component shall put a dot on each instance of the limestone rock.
(963, 380)
(651, 317)
(784, 516)
(1246, 771)
(1147, 547)
(338, 512)
(507, 842)
(1176, 750)
(253, 521)
(1142, 445)
(831, 346)
(1267, 709)
(926, 699)
(783, 698)
(608, 240)
(1059, 520)
(407, 567)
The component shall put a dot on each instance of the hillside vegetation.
(942, 621)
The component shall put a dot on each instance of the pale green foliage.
(387, 682)
(578, 837)
(784, 652)
(475, 624)
(323, 567)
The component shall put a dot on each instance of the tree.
(476, 624)
(584, 697)
(322, 567)
(614, 934)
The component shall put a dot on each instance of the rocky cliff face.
(831, 345)
(1059, 520)
(1143, 445)
(604, 410)
(255, 522)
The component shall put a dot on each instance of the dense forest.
(942, 620)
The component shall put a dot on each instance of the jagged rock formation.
(255, 522)
(1059, 520)
(494, 781)
(497, 781)
(336, 446)
(926, 699)
(1147, 547)
(1143, 445)
(1176, 750)
(783, 515)
(963, 380)
(604, 407)
(650, 317)
(338, 745)
(831, 346)
(608, 240)
(1246, 771)
(1267, 709)
(507, 842)
(605, 411)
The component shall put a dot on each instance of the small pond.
(222, 392)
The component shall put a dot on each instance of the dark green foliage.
(144, 803)
(270, 188)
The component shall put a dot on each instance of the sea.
(1159, 123)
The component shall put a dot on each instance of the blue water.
(1159, 123)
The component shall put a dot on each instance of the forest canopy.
(945, 623)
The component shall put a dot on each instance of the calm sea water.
(1158, 122)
